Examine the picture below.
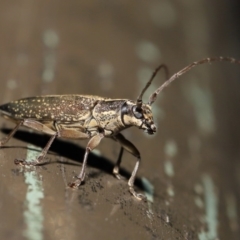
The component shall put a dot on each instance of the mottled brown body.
(93, 117)
(78, 113)
(80, 117)
(65, 108)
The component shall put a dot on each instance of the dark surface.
(190, 168)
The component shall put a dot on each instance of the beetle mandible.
(90, 117)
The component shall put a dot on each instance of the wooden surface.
(190, 169)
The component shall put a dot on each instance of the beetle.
(90, 117)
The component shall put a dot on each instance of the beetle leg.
(93, 143)
(127, 145)
(6, 139)
(41, 156)
(71, 131)
(117, 165)
(48, 128)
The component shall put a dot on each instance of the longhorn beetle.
(90, 117)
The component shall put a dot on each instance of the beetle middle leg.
(41, 156)
(93, 143)
(33, 124)
(55, 129)
(127, 145)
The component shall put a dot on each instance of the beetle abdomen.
(64, 108)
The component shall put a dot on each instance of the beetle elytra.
(90, 117)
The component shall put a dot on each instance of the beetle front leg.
(93, 143)
(6, 139)
(127, 145)
(117, 165)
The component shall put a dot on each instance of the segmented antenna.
(153, 97)
(139, 99)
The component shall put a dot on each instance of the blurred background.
(190, 169)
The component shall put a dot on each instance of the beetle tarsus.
(76, 183)
(138, 196)
(22, 162)
(116, 173)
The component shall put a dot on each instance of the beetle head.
(140, 114)
(142, 117)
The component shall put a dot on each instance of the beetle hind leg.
(7, 138)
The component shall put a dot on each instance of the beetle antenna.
(139, 99)
(153, 97)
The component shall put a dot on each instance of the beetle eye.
(137, 113)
